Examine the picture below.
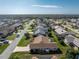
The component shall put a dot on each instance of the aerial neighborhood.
(39, 37)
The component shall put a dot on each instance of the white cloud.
(47, 6)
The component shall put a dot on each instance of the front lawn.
(24, 41)
(21, 55)
(3, 47)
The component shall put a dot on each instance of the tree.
(70, 54)
(27, 35)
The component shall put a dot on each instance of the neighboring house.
(73, 20)
(8, 29)
(52, 26)
(60, 30)
(69, 39)
(77, 23)
(41, 30)
(42, 44)
(56, 26)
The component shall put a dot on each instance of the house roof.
(43, 45)
(40, 31)
(57, 27)
(72, 39)
(60, 30)
(40, 39)
(42, 42)
(41, 27)
(76, 42)
(9, 28)
(69, 38)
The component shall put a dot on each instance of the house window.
(54, 49)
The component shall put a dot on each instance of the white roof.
(72, 39)
(76, 42)
(57, 27)
(69, 38)
(60, 30)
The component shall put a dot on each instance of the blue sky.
(39, 6)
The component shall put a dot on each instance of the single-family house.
(41, 44)
(69, 39)
(60, 30)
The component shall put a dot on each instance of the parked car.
(6, 42)
(2, 39)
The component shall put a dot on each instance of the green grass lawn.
(12, 37)
(3, 47)
(21, 55)
(24, 41)
(62, 48)
(56, 39)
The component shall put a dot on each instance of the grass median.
(24, 42)
(12, 37)
(3, 47)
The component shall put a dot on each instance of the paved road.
(9, 50)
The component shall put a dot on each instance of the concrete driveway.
(22, 49)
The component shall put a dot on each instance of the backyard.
(61, 47)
